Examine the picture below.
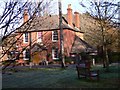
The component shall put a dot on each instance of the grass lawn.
(60, 78)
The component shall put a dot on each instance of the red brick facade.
(46, 36)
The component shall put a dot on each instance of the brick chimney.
(77, 19)
(69, 15)
(77, 24)
(25, 15)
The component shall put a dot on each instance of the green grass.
(60, 78)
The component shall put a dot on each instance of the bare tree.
(104, 12)
(11, 19)
(12, 15)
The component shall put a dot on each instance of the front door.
(36, 58)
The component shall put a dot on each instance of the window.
(26, 54)
(55, 54)
(55, 36)
(39, 36)
(25, 37)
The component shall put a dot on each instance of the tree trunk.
(61, 36)
(103, 57)
(63, 64)
(107, 60)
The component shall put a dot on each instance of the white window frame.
(24, 55)
(24, 41)
(39, 39)
(53, 55)
(53, 40)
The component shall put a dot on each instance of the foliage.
(6, 62)
(48, 55)
(85, 56)
(98, 59)
(68, 60)
(114, 57)
(11, 19)
(104, 12)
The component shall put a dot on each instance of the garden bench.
(85, 72)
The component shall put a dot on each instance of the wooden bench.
(85, 72)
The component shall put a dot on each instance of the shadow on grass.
(59, 78)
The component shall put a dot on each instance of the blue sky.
(54, 6)
(74, 3)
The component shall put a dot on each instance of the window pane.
(39, 37)
(26, 37)
(27, 54)
(56, 53)
(55, 35)
(39, 34)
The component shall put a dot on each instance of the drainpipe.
(30, 42)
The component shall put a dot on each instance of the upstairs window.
(25, 37)
(55, 36)
(39, 36)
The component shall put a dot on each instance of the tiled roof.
(37, 47)
(80, 45)
(76, 29)
(45, 23)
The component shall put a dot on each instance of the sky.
(74, 4)
(54, 6)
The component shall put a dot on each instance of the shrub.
(68, 60)
(98, 59)
(114, 57)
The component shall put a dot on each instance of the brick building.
(45, 36)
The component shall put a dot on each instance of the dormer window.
(25, 37)
(55, 36)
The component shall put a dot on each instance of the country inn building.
(45, 37)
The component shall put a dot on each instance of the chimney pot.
(69, 6)
(77, 19)
(69, 15)
(25, 15)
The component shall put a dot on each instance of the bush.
(8, 61)
(98, 59)
(68, 60)
(85, 56)
(56, 61)
(114, 57)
